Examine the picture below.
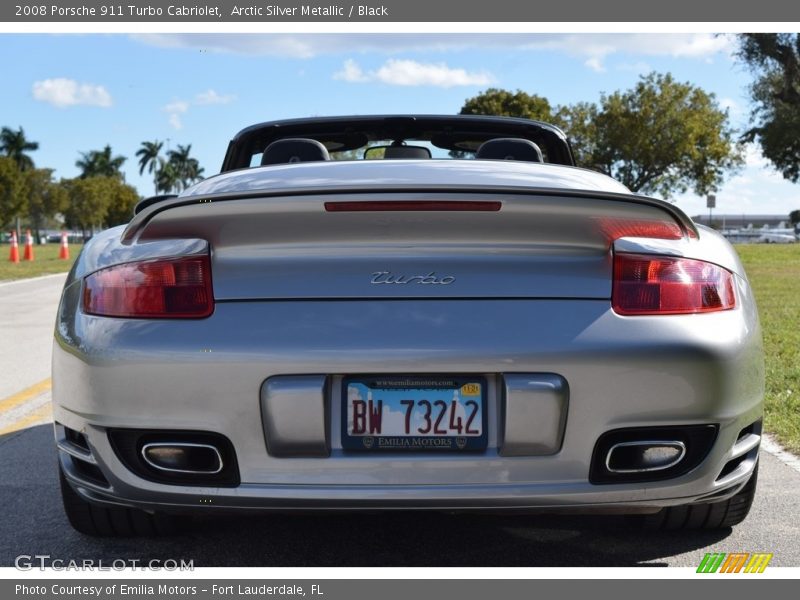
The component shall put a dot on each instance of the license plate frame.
(414, 385)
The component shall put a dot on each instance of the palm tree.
(167, 178)
(149, 159)
(100, 163)
(193, 172)
(187, 169)
(14, 145)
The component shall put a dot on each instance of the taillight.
(664, 285)
(178, 288)
(615, 228)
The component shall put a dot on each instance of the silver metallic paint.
(472, 173)
(295, 415)
(536, 246)
(534, 413)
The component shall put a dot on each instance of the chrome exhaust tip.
(640, 454)
(177, 457)
(644, 456)
(183, 457)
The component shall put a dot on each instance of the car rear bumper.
(208, 376)
(543, 497)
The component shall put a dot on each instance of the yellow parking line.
(22, 397)
(43, 412)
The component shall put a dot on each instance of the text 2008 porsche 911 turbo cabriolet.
(456, 318)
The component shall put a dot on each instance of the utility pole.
(711, 202)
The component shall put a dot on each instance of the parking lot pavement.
(34, 523)
(27, 318)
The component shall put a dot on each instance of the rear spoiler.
(145, 202)
(140, 220)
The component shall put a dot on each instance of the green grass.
(46, 262)
(774, 273)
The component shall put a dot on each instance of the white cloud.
(351, 72)
(175, 109)
(178, 108)
(212, 97)
(304, 46)
(758, 188)
(732, 106)
(292, 46)
(697, 45)
(409, 72)
(754, 158)
(595, 64)
(413, 73)
(597, 46)
(62, 92)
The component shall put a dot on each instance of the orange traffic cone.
(63, 254)
(28, 246)
(14, 256)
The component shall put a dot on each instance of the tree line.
(665, 137)
(661, 137)
(95, 199)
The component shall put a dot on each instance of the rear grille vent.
(731, 465)
(77, 457)
(744, 452)
(753, 428)
(77, 439)
(89, 472)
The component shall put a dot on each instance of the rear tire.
(113, 521)
(712, 515)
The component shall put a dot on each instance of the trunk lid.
(537, 245)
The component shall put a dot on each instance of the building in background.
(760, 229)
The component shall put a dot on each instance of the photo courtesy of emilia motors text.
(399, 299)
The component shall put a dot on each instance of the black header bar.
(392, 11)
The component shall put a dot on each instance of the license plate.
(414, 413)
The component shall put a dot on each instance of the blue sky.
(78, 92)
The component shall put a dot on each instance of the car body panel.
(119, 373)
(389, 173)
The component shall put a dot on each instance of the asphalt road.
(33, 522)
(27, 318)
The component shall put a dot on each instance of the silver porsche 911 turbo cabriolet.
(454, 318)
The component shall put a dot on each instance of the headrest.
(407, 152)
(509, 149)
(293, 150)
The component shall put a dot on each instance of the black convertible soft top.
(458, 133)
